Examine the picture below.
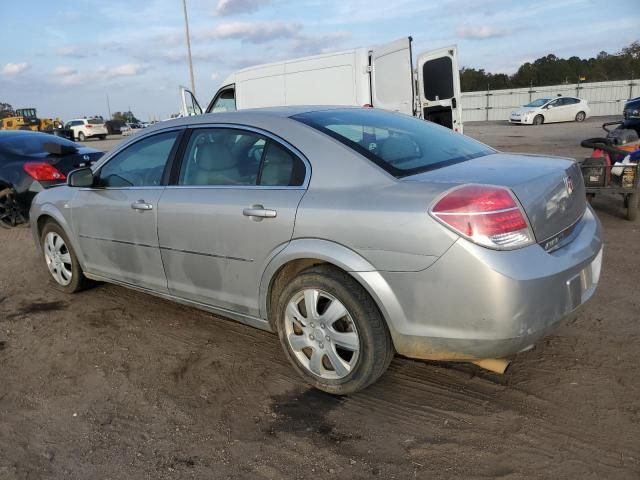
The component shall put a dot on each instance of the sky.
(66, 58)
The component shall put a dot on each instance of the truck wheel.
(332, 331)
(81, 137)
(632, 206)
(538, 120)
(580, 116)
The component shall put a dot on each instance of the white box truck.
(379, 77)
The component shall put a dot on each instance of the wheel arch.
(301, 254)
(48, 213)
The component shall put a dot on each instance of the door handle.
(260, 212)
(141, 205)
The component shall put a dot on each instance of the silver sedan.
(353, 233)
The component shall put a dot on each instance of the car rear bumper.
(476, 303)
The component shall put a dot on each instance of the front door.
(189, 105)
(116, 221)
(439, 87)
(232, 208)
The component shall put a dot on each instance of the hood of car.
(523, 110)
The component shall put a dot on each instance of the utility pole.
(186, 25)
(108, 106)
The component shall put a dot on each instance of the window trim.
(97, 168)
(173, 183)
(221, 90)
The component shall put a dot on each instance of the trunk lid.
(85, 157)
(550, 189)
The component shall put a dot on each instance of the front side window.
(231, 157)
(400, 144)
(226, 101)
(141, 164)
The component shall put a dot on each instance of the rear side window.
(438, 78)
(230, 157)
(400, 144)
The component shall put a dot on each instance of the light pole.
(186, 25)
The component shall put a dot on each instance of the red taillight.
(487, 215)
(367, 105)
(88, 125)
(43, 171)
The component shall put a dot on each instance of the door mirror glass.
(82, 177)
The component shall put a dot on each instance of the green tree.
(125, 117)
(552, 70)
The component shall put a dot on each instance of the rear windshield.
(400, 144)
(95, 121)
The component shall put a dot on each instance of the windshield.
(400, 144)
(538, 103)
(96, 121)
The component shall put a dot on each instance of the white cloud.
(73, 77)
(307, 44)
(256, 32)
(73, 52)
(234, 7)
(12, 69)
(63, 71)
(480, 32)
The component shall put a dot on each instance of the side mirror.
(82, 177)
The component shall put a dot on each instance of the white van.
(380, 77)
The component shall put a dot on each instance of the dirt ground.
(114, 384)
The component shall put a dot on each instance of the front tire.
(538, 120)
(81, 137)
(61, 259)
(332, 331)
(580, 116)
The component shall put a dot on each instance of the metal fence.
(605, 98)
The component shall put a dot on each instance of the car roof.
(242, 116)
(4, 134)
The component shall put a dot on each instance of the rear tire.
(632, 206)
(351, 349)
(61, 259)
(81, 137)
(580, 116)
(102, 137)
(538, 120)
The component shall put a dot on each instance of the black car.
(30, 162)
(114, 126)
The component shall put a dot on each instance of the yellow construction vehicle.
(27, 119)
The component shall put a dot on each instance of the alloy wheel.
(322, 334)
(58, 258)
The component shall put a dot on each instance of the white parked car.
(84, 128)
(550, 110)
(130, 128)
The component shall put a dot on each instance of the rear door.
(392, 76)
(231, 207)
(439, 87)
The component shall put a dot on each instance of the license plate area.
(582, 285)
